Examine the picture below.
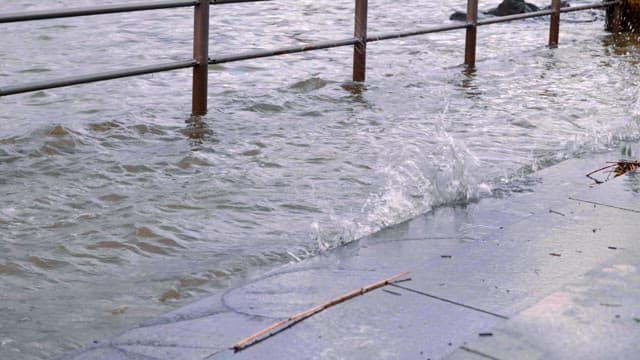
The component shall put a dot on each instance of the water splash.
(415, 178)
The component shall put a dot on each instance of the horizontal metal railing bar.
(506, 18)
(108, 9)
(84, 79)
(589, 6)
(401, 34)
(328, 44)
(94, 10)
(282, 51)
(221, 2)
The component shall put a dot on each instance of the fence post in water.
(630, 16)
(360, 47)
(624, 15)
(554, 28)
(616, 26)
(472, 26)
(201, 55)
(613, 18)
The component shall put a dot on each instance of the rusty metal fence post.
(554, 28)
(201, 56)
(617, 17)
(615, 14)
(360, 47)
(472, 26)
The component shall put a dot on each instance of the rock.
(512, 7)
(507, 7)
(458, 16)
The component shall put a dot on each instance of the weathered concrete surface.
(543, 274)
(594, 317)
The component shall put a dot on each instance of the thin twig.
(265, 333)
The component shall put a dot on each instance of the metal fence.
(201, 59)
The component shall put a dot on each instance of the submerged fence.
(201, 59)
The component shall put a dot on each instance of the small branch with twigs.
(615, 167)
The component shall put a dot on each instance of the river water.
(117, 205)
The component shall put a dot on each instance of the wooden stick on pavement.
(266, 332)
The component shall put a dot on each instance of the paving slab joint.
(450, 301)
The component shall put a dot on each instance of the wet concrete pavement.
(551, 273)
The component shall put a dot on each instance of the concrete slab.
(392, 324)
(595, 317)
(509, 271)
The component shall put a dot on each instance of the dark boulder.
(458, 16)
(507, 7)
(512, 7)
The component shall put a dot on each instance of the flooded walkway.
(550, 273)
(118, 206)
